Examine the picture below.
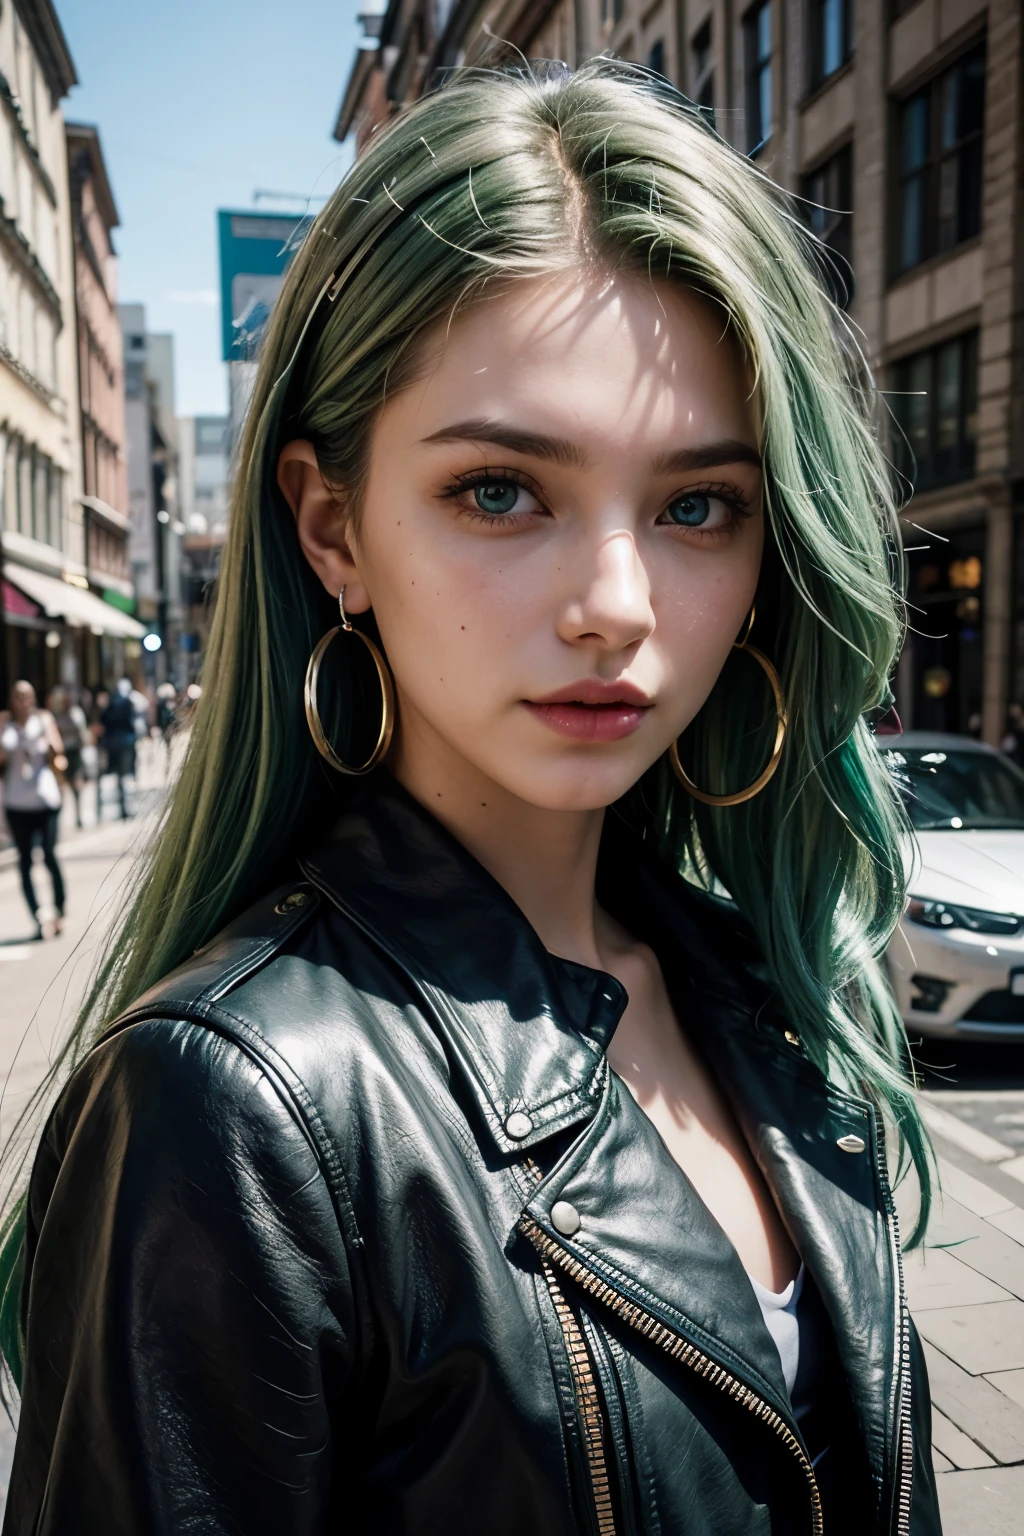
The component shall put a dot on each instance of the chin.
(573, 787)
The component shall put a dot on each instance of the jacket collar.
(528, 1030)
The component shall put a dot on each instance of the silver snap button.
(518, 1125)
(565, 1218)
(851, 1143)
(291, 903)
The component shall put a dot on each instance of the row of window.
(939, 143)
(939, 132)
(33, 493)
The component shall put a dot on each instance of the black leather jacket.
(293, 1267)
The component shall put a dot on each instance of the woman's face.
(23, 701)
(560, 535)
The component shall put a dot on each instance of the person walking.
(117, 723)
(166, 719)
(31, 756)
(73, 726)
(1013, 741)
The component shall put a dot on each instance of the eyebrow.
(708, 456)
(536, 444)
(560, 450)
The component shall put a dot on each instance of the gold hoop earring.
(781, 726)
(387, 720)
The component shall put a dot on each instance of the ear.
(322, 523)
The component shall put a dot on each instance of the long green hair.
(498, 176)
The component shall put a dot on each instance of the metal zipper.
(587, 1396)
(679, 1348)
(904, 1459)
(588, 1401)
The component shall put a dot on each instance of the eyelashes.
(491, 489)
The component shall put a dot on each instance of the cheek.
(700, 612)
(454, 616)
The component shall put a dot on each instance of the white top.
(30, 784)
(779, 1311)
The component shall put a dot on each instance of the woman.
(30, 750)
(73, 727)
(483, 1173)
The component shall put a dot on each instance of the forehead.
(609, 359)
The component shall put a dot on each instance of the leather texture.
(282, 1268)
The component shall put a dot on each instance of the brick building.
(104, 496)
(903, 119)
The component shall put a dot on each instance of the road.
(966, 1287)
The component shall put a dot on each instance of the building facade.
(204, 478)
(42, 529)
(900, 124)
(156, 528)
(55, 621)
(103, 445)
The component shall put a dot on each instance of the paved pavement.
(966, 1287)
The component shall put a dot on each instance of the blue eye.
(689, 511)
(496, 496)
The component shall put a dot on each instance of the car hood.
(976, 869)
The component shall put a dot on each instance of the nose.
(610, 602)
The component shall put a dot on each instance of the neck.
(545, 859)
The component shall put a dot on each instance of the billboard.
(255, 252)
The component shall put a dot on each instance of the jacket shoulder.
(233, 955)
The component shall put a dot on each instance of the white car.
(957, 958)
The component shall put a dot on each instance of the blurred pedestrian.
(166, 718)
(1013, 741)
(31, 756)
(95, 716)
(117, 723)
(73, 726)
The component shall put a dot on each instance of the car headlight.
(947, 914)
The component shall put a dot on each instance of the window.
(11, 484)
(701, 71)
(940, 150)
(828, 194)
(757, 44)
(41, 500)
(830, 40)
(935, 405)
(656, 57)
(25, 491)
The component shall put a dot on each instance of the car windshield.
(951, 790)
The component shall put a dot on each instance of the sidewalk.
(966, 1292)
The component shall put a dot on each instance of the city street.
(966, 1287)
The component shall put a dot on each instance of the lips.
(592, 710)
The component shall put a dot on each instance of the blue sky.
(199, 104)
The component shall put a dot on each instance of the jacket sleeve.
(190, 1333)
(925, 1519)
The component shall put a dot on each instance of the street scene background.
(156, 178)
